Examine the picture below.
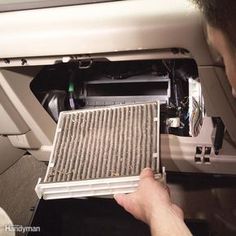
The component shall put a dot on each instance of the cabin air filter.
(102, 151)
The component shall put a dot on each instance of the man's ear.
(234, 92)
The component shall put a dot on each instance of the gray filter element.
(116, 141)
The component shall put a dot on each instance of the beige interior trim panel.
(17, 85)
(11, 121)
(105, 27)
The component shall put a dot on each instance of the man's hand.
(151, 203)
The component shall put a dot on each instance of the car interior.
(58, 57)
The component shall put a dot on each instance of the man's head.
(221, 27)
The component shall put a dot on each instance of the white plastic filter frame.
(94, 187)
(89, 188)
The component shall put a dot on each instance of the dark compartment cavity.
(64, 86)
(128, 89)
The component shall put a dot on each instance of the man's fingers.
(147, 172)
(120, 199)
(125, 200)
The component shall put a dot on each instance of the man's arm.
(151, 203)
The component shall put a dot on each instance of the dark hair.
(220, 14)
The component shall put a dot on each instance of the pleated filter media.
(102, 145)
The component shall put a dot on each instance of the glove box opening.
(174, 83)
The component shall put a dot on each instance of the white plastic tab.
(173, 122)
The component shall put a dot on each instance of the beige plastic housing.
(122, 30)
(219, 100)
(179, 153)
(11, 121)
(16, 84)
(26, 141)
